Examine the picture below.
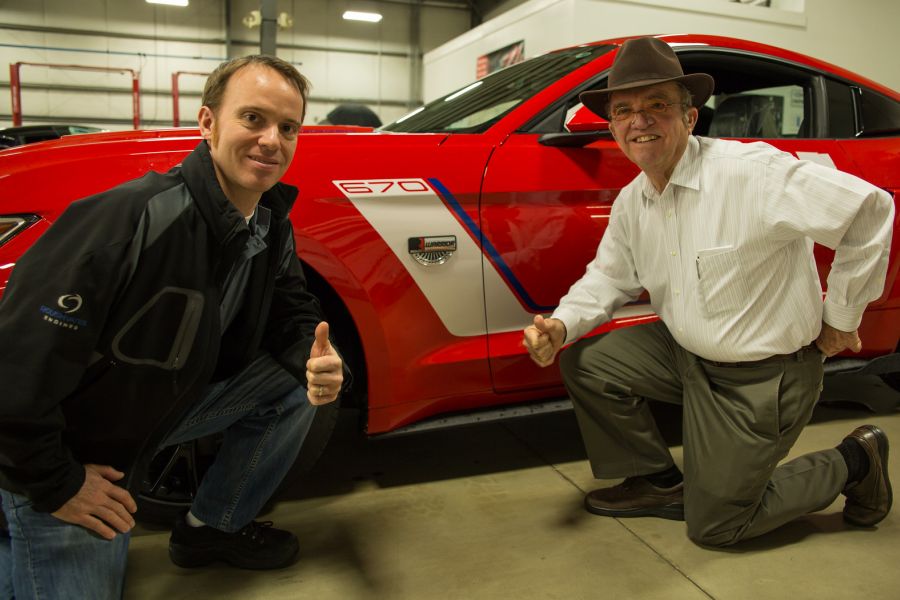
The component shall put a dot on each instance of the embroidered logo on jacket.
(69, 303)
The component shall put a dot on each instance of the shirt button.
(672, 252)
(677, 292)
(669, 214)
(680, 330)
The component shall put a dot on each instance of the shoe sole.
(883, 452)
(673, 512)
(192, 558)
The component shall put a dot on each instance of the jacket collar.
(218, 211)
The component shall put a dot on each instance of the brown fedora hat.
(647, 61)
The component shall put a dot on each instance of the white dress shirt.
(725, 252)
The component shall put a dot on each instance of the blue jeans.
(265, 416)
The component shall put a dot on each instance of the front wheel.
(892, 379)
(173, 476)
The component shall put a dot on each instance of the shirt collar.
(259, 229)
(686, 173)
(259, 222)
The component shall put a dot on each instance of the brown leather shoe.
(869, 500)
(637, 497)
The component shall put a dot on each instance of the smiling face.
(252, 135)
(654, 142)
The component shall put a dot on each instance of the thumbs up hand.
(543, 339)
(324, 369)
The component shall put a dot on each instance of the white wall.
(859, 36)
(345, 61)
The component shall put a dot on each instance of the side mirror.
(581, 118)
(583, 127)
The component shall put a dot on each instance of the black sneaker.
(256, 546)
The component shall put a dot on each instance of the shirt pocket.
(721, 280)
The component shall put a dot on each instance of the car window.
(760, 97)
(39, 136)
(74, 129)
(855, 111)
(879, 115)
(483, 116)
(477, 106)
(754, 97)
(768, 112)
(841, 107)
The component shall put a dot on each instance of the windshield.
(476, 107)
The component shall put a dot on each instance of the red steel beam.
(176, 120)
(15, 86)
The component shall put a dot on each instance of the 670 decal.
(388, 187)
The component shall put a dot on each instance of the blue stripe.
(488, 247)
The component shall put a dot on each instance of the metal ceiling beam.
(111, 34)
(268, 30)
(415, 52)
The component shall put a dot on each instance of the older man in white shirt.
(720, 233)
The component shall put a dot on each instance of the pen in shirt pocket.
(710, 252)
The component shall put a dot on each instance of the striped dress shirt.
(725, 252)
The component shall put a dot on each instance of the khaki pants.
(738, 423)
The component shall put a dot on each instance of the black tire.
(315, 443)
(168, 484)
(892, 379)
(174, 473)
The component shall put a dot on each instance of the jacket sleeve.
(51, 316)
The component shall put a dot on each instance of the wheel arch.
(345, 333)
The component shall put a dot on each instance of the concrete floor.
(493, 511)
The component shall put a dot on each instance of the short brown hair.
(214, 90)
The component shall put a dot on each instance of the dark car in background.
(29, 134)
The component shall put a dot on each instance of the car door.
(544, 209)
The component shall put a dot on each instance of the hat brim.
(700, 85)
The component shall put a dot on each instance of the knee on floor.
(712, 534)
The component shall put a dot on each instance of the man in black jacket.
(178, 308)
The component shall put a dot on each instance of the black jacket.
(110, 325)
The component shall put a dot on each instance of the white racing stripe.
(398, 209)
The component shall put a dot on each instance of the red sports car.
(435, 239)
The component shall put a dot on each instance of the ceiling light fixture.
(352, 15)
(169, 2)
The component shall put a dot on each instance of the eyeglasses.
(653, 108)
